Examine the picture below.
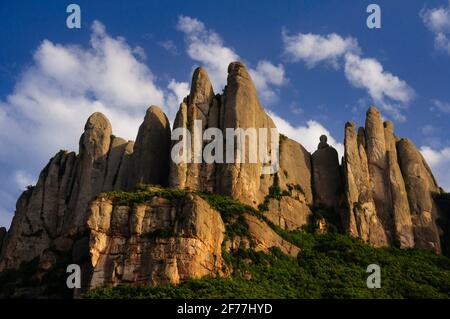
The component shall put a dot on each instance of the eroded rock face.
(420, 186)
(155, 243)
(2, 238)
(389, 188)
(266, 238)
(403, 227)
(385, 183)
(326, 175)
(40, 212)
(150, 158)
(361, 219)
(239, 108)
(200, 105)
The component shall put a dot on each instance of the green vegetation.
(329, 214)
(275, 192)
(329, 266)
(143, 194)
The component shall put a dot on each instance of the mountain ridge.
(383, 192)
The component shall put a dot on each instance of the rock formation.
(158, 242)
(326, 175)
(389, 188)
(383, 192)
(2, 238)
(239, 107)
(420, 186)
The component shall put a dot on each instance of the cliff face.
(157, 242)
(383, 192)
(389, 188)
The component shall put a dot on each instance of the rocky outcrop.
(384, 192)
(361, 218)
(158, 242)
(266, 238)
(57, 206)
(389, 188)
(403, 229)
(420, 186)
(377, 162)
(239, 109)
(2, 238)
(327, 184)
(200, 107)
(40, 212)
(150, 158)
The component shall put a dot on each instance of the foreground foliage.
(329, 266)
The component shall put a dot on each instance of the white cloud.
(437, 20)
(441, 106)
(170, 47)
(439, 161)
(386, 90)
(178, 91)
(265, 75)
(207, 47)
(24, 179)
(429, 129)
(307, 135)
(313, 48)
(63, 85)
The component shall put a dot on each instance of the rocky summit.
(128, 214)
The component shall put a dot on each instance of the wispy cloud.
(207, 47)
(314, 49)
(308, 135)
(440, 106)
(170, 47)
(386, 90)
(63, 85)
(439, 160)
(437, 20)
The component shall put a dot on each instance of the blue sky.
(315, 63)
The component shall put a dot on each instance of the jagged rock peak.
(155, 113)
(97, 136)
(152, 149)
(97, 121)
(201, 88)
(237, 71)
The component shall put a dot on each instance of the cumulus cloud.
(266, 75)
(437, 20)
(386, 90)
(207, 47)
(307, 135)
(63, 85)
(439, 161)
(177, 92)
(313, 48)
